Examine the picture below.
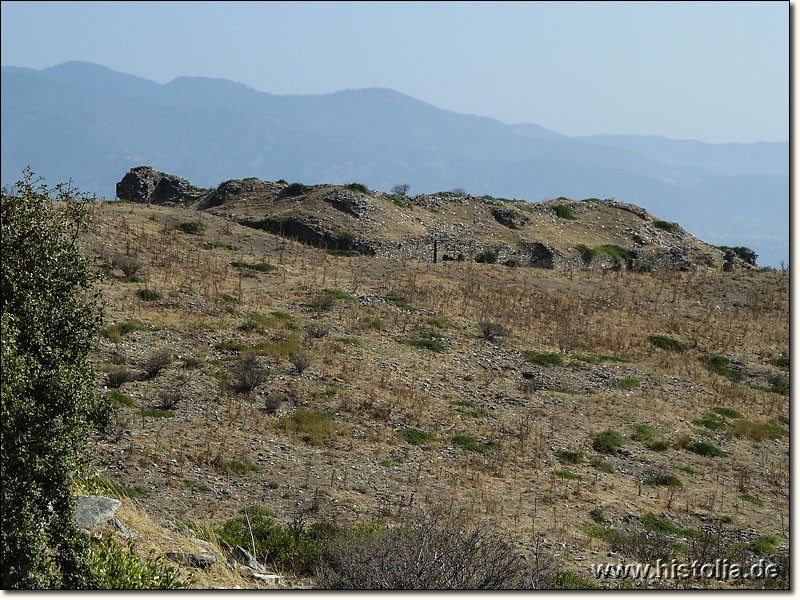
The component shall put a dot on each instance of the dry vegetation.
(311, 390)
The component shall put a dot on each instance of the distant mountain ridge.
(90, 123)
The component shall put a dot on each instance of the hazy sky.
(717, 72)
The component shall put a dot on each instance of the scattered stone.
(243, 557)
(92, 512)
(201, 561)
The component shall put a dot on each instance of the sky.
(710, 71)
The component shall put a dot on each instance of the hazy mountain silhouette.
(89, 123)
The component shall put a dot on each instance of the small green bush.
(488, 257)
(751, 499)
(667, 226)
(666, 343)
(663, 479)
(439, 322)
(416, 437)
(564, 212)
(689, 470)
(157, 413)
(706, 449)
(237, 466)
(400, 302)
(778, 384)
(469, 443)
(294, 189)
(115, 568)
(628, 383)
(229, 298)
(644, 432)
(491, 331)
(658, 445)
(192, 227)
(653, 522)
(764, 545)
(727, 412)
(543, 359)
(598, 516)
(196, 485)
(149, 295)
(719, 365)
(598, 463)
(711, 421)
(357, 187)
(315, 427)
(350, 341)
(427, 344)
(260, 267)
(570, 457)
(608, 442)
(587, 254)
(566, 474)
(782, 362)
(618, 253)
(120, 399)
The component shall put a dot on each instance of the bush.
(260, 267)
(618, 253)
(587, 253)
(706, 449)
(543, 359)
(314, 427)
(727, 412)
(249, 374)
(118, 377)
(115, 568)
(469, 443)
(564, 212)
(757, 431)
(294, 189)
(149, 295)
(116, 332)
(488, 256)
(427, 344)
(490, 331)
(658, 445)
(666, 343)
(608, 442)
(782, 362)
(667, 226)
(120, 399)
(192, 227)
(433, 550)
(357, 187)
(156, 362)
(567, 456)
(711, 421)
(778, 384)
(663, 479)
(301, 361)
(628, 383)
(400, 302)
(416, 437)
(566, 474)
(350, 341)
(598, 516)
(719, 365)
(129, 265)
(644, 432)
(49, 406)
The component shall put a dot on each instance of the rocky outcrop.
(145, 185)
(93, 512)
(511, 218)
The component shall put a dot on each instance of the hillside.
(89, 123)
(351, 219)
(250, 368)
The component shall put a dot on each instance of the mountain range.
(90, 124)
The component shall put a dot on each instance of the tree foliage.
(49, 409)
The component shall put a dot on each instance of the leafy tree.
(49, 409)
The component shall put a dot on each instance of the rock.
(92, 512)
(271, 579)
(243, 557)
(728, 259)
(145, 185)
(201, 560)
(124, 530)
(509, 217)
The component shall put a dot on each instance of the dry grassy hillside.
(372, 385)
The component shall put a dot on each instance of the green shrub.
(373, 323)
(229, 298)
(568, 456)
(416, 437)
(119, 330)
(224, 245)
(608, 442)
(294, 189)
(764, 545)
(598, 516)
(196, 485)
(653, 522)
(511, 263)
(618, 253)
(667, 226)
(237, 466)
(115, 568)
(488, 256)
(260, 267)
(192, 227)
(658, 445)
(564, 212)
(689, 470)
(587, 254)
(350, 341)
(427, 344)
(568, 580)
(719, 365)
(757, 431)
(711, 421)
(751, 499)
(149, 295)
(663, 479)
(439, 322)
(666, 343)
(782, 362)
(727, 412)
(778, 384)
(543, 359)
(469, 443)
(706, 449)
(644, 432)
(566, 474)
(490, 331)
(400, 302)
(157, 413)
(315, 427)
(628, 383)
(598, 463)
(120, 399)
(357, 187)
